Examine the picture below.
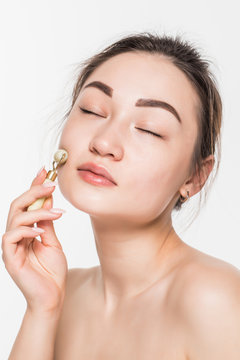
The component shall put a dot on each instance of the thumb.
(49, 237)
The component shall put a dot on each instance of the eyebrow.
(140, 102)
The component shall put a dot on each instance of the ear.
(197, 180)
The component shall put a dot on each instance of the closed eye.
(87, 111)
(150, 132)
(147, 131)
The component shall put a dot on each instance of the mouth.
(95, 169)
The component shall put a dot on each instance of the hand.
(39, 268)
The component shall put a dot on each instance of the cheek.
(153, 168)
(148, 184)
(75, 141)
(148, 195)
(153, 182)
(70, 134)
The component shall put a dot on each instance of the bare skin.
(154, 324)
(152, 297)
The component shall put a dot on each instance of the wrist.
(51, 311)
(44, 313)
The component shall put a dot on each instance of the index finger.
(39, 179)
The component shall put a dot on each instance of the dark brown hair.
(188, 59)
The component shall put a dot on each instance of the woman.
(148, 112)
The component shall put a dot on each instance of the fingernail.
(57, 211)
(37, 229)
(49, 183)
(39, 172)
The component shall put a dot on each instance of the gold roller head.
(60, 157)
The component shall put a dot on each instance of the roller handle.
(39, 202)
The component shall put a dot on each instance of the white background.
(41, 41)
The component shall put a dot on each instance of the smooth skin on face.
(137, 301)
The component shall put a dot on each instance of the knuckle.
(13, 204)
(13, 223)
(3, 249)
(15, 201)
(17, 219)
(4, 241)
(4, 237)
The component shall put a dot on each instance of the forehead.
(134, 75)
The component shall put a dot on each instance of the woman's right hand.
(39, 268)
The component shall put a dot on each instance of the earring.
(183, 199)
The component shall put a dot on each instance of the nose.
(107, 141)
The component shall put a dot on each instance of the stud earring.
(183, 199)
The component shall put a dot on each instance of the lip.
(96, 169)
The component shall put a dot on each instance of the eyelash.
(150, 132)
(147, 131)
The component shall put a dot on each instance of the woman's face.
(149, 170)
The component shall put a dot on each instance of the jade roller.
(60, 157)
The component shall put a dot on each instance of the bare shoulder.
(77, 276)
(77, 292)
(209, 302)
(207, 275)
(77, 280)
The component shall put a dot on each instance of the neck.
(132, 258)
